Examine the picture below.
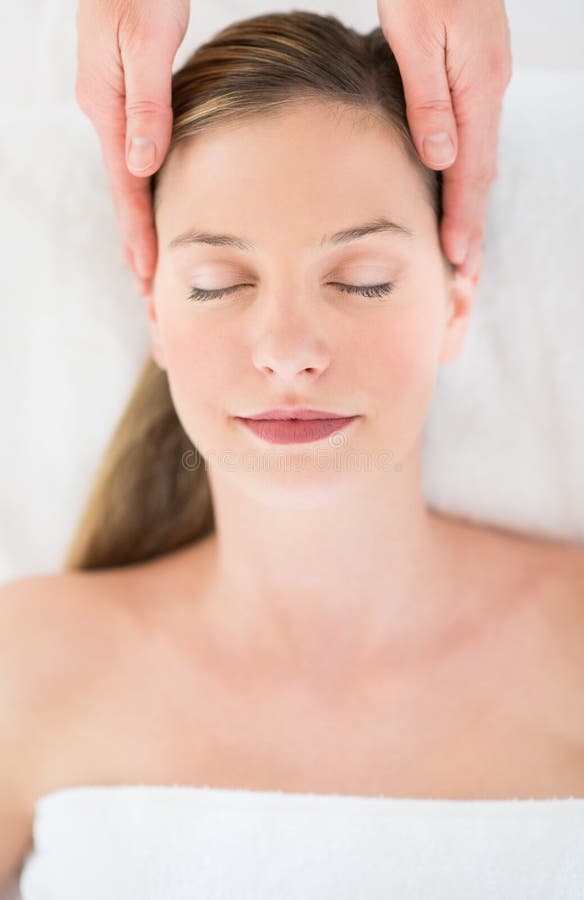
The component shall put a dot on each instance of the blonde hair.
(151, 494)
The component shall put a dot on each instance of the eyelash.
(378, 290)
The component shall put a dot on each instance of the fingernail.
(142, 153)
(439, 149)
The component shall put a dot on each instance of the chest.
(487, 724)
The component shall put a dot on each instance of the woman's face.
(287, 333)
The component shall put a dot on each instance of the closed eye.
(365, 290)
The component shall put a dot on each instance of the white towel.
(200, 843)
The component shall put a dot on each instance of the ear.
(154, 328)
(461, 290)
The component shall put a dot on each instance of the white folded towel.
(149, 842)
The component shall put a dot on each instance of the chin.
(286, 482)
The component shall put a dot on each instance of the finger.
(130, 194)
(466, 184)
(473, 262)
(131, 197)
(421, 59)
(148, 80)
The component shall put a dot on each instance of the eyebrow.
(380, 224)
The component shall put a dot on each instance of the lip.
(299, 431)
(291, 412)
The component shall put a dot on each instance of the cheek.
(189, 351)
(198, 377)
(403, 376)
(406, 348)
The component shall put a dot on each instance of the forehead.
(299, 162)
(301, 135)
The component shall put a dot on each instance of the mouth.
(293, 413)
(289, 430)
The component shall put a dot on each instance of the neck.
(354, 578)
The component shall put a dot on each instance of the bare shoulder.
(37, 631)
(555, 613)
(537, 584)
(66, 637)
(49, 623)
(53, 631)
(556, 576)
(548, 575)
(534, 566)
(32, 629)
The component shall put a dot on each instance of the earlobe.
(461, 291)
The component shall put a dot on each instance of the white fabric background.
(505, 437)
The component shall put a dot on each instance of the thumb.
(148, 83)
(429, 104)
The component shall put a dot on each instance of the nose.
(289, 347)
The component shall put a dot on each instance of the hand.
(454, 58)
(125, 54)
